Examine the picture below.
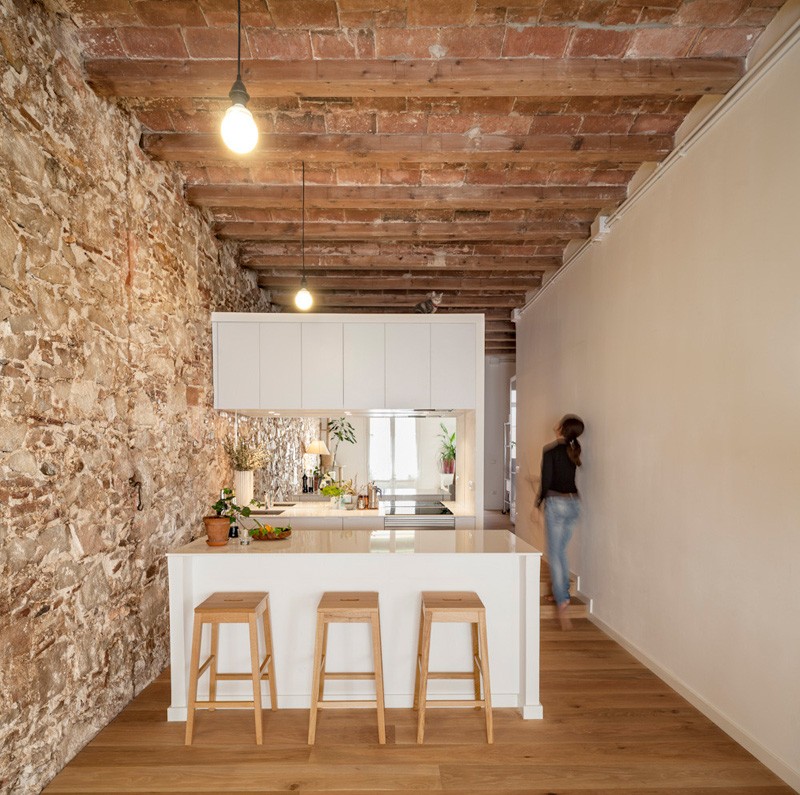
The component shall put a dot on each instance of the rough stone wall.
(107, 280)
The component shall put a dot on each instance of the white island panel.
(399, 565)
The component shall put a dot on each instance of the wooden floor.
(610, 726)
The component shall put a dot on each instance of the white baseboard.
(529, 711)
(766, 757)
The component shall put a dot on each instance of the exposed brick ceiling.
(450, 145)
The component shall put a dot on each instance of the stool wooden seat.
(347, 607)
(456, 607)
(232, 608)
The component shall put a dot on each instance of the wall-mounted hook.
(138, 486)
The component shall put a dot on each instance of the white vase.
(243, 486)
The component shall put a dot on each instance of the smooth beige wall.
(677, 338)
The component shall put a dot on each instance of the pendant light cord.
(239, 40)
(303, 220)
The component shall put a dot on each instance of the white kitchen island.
(399, 565)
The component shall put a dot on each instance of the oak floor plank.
(248, 777)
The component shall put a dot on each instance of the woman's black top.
(558, 471)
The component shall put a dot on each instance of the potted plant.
(447, 452)
(338, 491)
(342, 430)
(226, 511)
(246, 454)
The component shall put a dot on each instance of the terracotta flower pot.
(217, 529)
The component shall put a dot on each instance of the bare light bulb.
(239, 130)
(303, 300)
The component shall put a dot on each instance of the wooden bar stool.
(232, 608)
(348, 607)
(461, 607)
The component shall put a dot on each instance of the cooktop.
(411, 508)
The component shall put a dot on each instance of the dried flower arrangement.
(247, 453)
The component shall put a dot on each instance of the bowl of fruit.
(268, 533)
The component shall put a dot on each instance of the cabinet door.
(236, 366)
(364, 366)
(453, 366)
(322, 366)
(408, 365)
(280, 365)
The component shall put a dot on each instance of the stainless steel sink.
(270, 512)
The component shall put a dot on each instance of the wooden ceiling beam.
(385, 149)
(402, 300)
(410, 276)
(550, 231)
(517, 284)
(520, 77)
(491, 314)
(388, 249)
(387, 197)
(387, 262)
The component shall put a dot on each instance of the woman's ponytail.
(574, 451)
(571, 428)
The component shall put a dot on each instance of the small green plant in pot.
(447, 452)
(226, 511)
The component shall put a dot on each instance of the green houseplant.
(226, 511)
(342, 430)
(447, 451)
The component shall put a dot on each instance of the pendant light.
(303, 300)
(239, 130)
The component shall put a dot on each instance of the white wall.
(678, 340)
(499, 372)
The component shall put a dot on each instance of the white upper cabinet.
(453, 366)
(279, 370)
(408, 365)
(322, 366)
(236, 347)
(330, 363)
(364, 366)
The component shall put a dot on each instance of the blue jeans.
(560, 516)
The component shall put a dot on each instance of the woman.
(561, 505)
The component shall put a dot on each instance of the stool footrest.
(451, 675)
(223, 704)
(439, 702)
(348, 675)
(347, 704)
(240, 677)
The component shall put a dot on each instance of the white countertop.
(324, 509)
(375, 542)
(316, 509)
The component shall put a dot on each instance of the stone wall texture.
(107, 281)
